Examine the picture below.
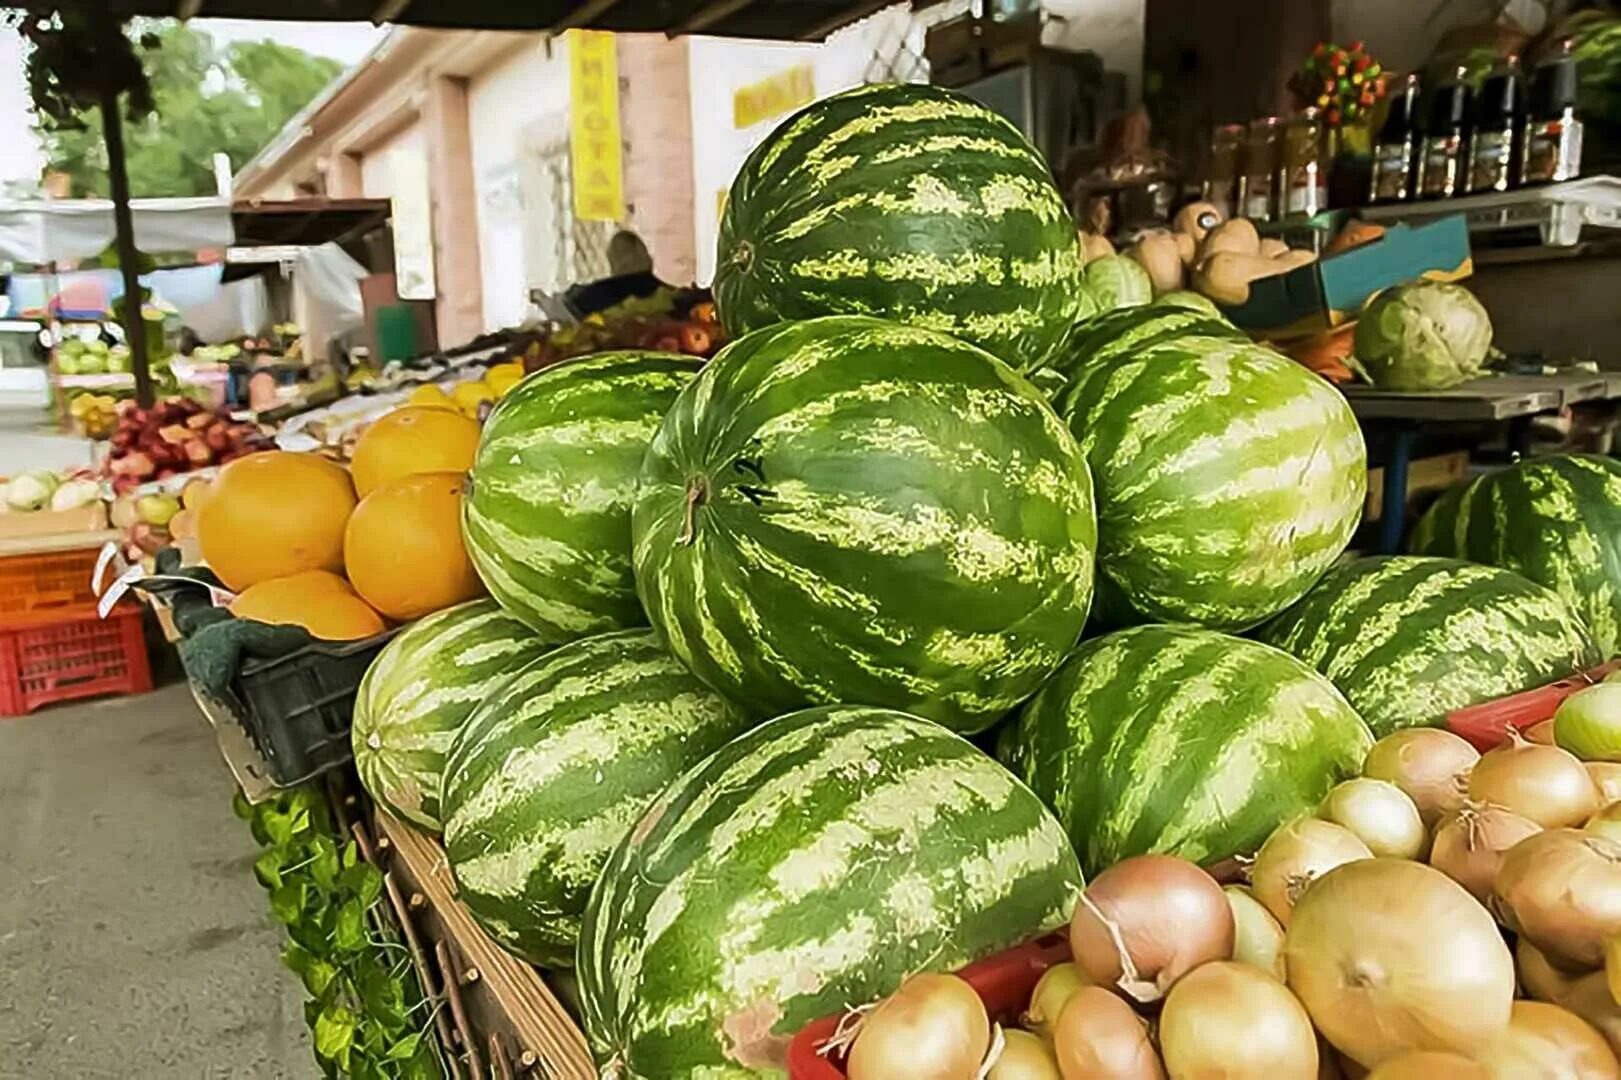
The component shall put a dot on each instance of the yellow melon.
(318, 600)
(274, 514)
(414, 439)
(403, 548)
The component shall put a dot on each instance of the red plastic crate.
(42, 581)
(69, 655)
(1004, 982)
(1486, 725)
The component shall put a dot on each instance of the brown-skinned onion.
(1561, 890)
(933, 1028)
(1544, 783)
(1430, 1065)
(1259, 937)
(1547, 1040)
(1469, 845)
(1540, 978)
(1606, 823)
(1429, 764)
(1053, 990)
(1380, 814)
(1230, 1021)
(1099, 1037)
(1607, 777)
(1296, 854)
(1024, 1057)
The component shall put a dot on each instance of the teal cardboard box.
(1332, 291)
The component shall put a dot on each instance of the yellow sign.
(599, 193)
(774, 96)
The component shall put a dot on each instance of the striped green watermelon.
(1229, 478)
(848, 509)
(420, 689)
(1120, 334)
(1409, 639)
(908, 202)
(810, 865)
(1116, 282)
(547, 520)
(548, 776)
(1556, 520)
(1184, 741)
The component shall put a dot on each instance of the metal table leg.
(1393, 509)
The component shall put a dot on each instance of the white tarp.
(36, 233)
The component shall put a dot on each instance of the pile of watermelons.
(707, 740)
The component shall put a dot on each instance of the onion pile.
(1588, 723)
(1024, 1057)
(1294, 856)
(1544, 783)
(933, 1028)
(1606, 823)
(1147, 921)
(1429, 764)
(1469, 845)
(1098, 1037)
(1053, 990)
(1227, 1020)
(1430, 1065)
(1258, 937)
(1607, 778)
(1561, 891)
(1546, 1040)
(1380, 814)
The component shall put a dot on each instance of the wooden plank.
(500, 990)
(57, 541)
(1476, 400)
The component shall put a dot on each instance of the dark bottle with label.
(1395, 152)
(1552, 143)
(1494, 144)
(1445, 153)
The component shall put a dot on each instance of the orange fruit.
(403, 548)
(273, 514)
(318, 600)
(410, 440)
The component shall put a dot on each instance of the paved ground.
(134, 941)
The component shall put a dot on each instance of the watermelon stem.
(697, 494)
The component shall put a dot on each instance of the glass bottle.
(1494, 144)
(1303, 190)
(1446, 140)
(1552, 143)
(1395, 150)
(1257, 187)
(1221, 185)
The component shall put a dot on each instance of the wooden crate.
(1425, 475)
(58, 527)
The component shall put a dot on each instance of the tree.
(205, 100)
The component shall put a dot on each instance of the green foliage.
(205, 99)
(366, 1011)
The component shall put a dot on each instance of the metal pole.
(112, 128)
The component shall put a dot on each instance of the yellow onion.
(1430, 1065)
(1612, 967)
(1588, 723)
(1053, 991)
(1379, 813)
(1258, 937)
(1296, 854)
(1469, 845)
(1391, 956)
(1430, 765)
(1607, 777)
(1542, 733)
(1540, 979)
(1227, 1020)
(1024, 1057)
(1144, 922)
(1606, 823)
(1098, 1037)
(1561, 890)
(1546, 1040)
(1589, 997)
(933, 1028)
(1544, 783)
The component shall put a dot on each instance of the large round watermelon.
(547, 777)
(420, 689)
(908, 202)
(1229, 478)
(1555, 520)
(1119, 335)
(852, 510)
(1184, 741)
(810, 865)
(547, 520)
(1409, 639)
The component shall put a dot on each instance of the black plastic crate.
(297, 708)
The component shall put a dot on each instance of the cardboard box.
(1333, 290)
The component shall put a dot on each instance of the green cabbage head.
(1427, 335)
(1116, 282)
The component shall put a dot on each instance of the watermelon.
(556, 767)
(1192, 301)
(1408, 639)
(1118, 335)
(848, 509)
(1115, 282)
(547, 518)
(1555, 520)
(417, 693)
(810, 865)
(1182, 740)
(1229, 478)
(908, 202)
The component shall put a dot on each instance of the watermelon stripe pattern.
(1410, 639)
(1182, 741)
(1119, 335)
(811, 864)
(1555, 520)
(547, 522)
(907, 202)
(1229, 478)
(556, 767)
(418, 692)
(848, 509)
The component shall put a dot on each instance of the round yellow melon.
(273, 514)
(410, 440)
(403, 548)
(318, 600)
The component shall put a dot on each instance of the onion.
(1294, 856)
(1430, 1065)
(1542, 733)
(1380, 814)
(1258, 937)
(1545, 1040)
(1469, 845)
(1053, 991)
(1561, 889)
(1544, 783)
(1606, 823)
(933, 1028)
(1607, 777)
(1230, 1020)
(1391, 956)
(1024, 1057)
(1588, 723)
(1612, 968)
(1539, 978)
(1145, 922)
(1098, 1037)
(1429, 764)
(1589, 998)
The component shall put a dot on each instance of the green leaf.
(365, 881)
(362, 1067)
(351, 854)
(324, 867)
(384, 999)
(240, 806)
(278, 826)
(424, 1064)
(350, 932)
(296, 957)
(267, 868)
(318, 975)
(300, 822)
(406, 1048)
(334, 1032)
(287, 902)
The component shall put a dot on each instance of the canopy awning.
(40, 232)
